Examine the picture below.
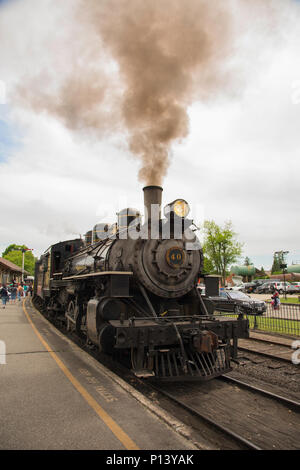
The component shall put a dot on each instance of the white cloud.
(240, 161)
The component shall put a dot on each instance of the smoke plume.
(167, 52)
(139, 65)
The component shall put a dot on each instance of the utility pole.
(283, 266)
(23, 260)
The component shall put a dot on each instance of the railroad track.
(270, 349)
(244, 443)
(269, 421)
(291, 404)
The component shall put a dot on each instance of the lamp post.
(23, 259)
(23, 262)
(283, 266)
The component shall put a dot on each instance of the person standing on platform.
(4, 295)
(20, 292)
(13, 292)
(25, 288)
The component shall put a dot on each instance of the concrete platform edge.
(169, 420)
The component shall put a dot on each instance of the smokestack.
(152, 195)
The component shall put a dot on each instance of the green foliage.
(220, 246)
(290, 300)
(275, 265)
(247, 261)
(12, 247)
(278, 259)
(208, 267)
(14, 254)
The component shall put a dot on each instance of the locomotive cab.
(51, 265)
(60, 252)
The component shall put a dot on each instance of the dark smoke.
(168, 54)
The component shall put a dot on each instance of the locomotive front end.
(165, 255)
(179, 348)
(168, 326)
(131, 289)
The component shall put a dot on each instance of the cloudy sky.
(240, 161)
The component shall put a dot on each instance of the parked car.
(260, 282)
(267, 287)
(281, 286)
(233, 301)
(293, 289)
(264, 288)
(240, 287)
(249, 287)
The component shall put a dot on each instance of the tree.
(208, 267)
(220, 246)
(14, 254)
(278, 259)
(262, 272)
(247, 261)
(12, 247)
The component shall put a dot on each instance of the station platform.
(54, 395)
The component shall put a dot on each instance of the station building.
(10, 272)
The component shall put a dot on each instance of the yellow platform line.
(110, 423)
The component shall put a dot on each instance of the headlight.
(246, 304)
(179, 207)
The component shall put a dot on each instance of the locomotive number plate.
(175, 257)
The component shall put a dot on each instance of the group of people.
(14, 291)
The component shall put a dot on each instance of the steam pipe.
(152, 195)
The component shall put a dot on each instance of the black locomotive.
(131, 288)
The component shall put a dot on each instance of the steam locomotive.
(131, 288)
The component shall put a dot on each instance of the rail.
(246, 443)
(291, 404)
